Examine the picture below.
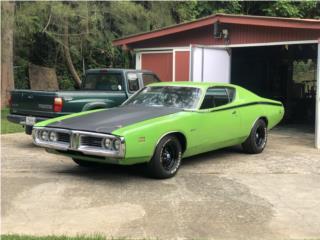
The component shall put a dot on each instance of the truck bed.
(35, 103)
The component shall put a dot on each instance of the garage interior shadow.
(286, 73)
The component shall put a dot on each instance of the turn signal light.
(57, 105)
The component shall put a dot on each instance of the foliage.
(38, 33)
(6, 126)
(53, 237)
(303, 9)
(304, 71)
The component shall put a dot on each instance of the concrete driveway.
(219, 195)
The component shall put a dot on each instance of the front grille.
(91, 141)
(63, 137)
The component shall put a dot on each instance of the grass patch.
(52, 237)
(8, 127)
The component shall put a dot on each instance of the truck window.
(148, 78)
(133, 82)
(104, 81)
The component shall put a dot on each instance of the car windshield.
(104, 81)
(167, 96)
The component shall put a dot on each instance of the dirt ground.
(224, 194)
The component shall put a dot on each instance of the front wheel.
(257, 139)
(166, 159)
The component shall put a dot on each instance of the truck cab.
(100, 88)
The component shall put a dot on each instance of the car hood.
(106, 121)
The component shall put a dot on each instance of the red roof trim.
(164, 31)
(223, 18)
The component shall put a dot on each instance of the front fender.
(142, 138)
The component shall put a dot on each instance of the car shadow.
(105, 172)
(111, 172)
(212, 156)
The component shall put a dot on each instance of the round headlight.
(53, 136)
(116, 144)
(44, 135)
(107, 143)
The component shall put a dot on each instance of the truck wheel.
(166, 159)
(86, 164)
(257, 139)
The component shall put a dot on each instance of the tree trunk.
(7, 24)
(67, 55)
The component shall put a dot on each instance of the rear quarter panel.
(256, 107)
(273, 113)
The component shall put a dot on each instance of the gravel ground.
(223, 194)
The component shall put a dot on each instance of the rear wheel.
(257, 139)
(166, 160)
(86, 164)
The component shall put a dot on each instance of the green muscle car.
(162, 123)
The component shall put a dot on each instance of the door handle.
(234, 112)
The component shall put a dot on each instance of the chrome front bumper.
(76, 142)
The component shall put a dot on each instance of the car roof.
(203, 85)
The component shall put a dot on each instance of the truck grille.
(91, 141)
(63, 137)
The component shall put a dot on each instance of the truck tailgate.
(32, 103)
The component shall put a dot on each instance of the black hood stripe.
(109, 120)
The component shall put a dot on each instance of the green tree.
(72, 36)
(78, 33)
(7, 81)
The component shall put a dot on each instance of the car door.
(219, 121)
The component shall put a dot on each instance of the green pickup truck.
(101, 88)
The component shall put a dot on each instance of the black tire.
(86, 164)
(28, 129)
(257, 139)
(166, 160)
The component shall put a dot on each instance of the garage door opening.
(286, 73)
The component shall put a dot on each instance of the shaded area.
(286, 73)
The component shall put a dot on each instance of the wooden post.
(138, 60)
(7, 24)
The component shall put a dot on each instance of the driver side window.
(215, 97)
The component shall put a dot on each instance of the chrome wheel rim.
(169, 156)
